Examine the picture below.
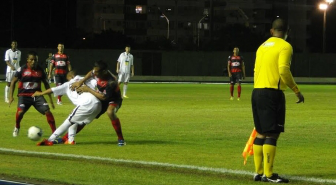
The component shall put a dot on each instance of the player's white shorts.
(85, 114)
(123, 77)
(10, 76)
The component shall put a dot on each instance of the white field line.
(152, 163)
(13, 182)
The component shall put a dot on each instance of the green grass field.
(181, 134)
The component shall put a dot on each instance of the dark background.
(45, 23)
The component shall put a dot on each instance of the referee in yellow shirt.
(272, 76)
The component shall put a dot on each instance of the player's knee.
(47, 112)
(20, 111)
(110, 111)
(111, 115)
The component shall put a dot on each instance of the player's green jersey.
(272, 55)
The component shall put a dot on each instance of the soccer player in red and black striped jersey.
(30, 77)
(236, 70)
(108, 92)
(61, 63)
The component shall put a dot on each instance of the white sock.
(60, 130)
(6, 92)
(125, 89)
(72, 132)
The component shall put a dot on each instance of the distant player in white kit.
(86, 110)
(125, 68)
(12, 59)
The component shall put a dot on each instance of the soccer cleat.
(16, 132)
(231, 98)
(67, 142)
(257, 177)
(7, 100)
(45, 142)
(275, 178)
(121, 142)
(125, 96)
(58, 141)
(59, 102)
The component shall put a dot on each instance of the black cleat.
(275, 178)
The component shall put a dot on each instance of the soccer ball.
(35, 133)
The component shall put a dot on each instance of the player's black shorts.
(105, 104)
(236, 78)
(60, 79)
(269, 110)
(40, 104)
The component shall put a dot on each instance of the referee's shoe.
(275, 178)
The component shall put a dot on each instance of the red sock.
(231, 89)
(239, 90)
(18, 118)
(117, 127)
(59, 98)
(79, 128)
(51, 121)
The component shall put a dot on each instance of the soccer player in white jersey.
(125, 69)
(12, 59)
(86, 110)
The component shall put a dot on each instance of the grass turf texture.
(178, 124)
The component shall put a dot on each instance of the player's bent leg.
(111, 112)
(18, 118)
(50, 120)
(7, 92)
(231, 90)
(60, 130)
(125, 90)
(66, 136)
(239, 90)
(72, 133)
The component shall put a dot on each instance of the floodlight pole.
(324, 29)
(163, 15)
(198, 29)
(324, 7)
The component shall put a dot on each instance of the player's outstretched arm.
(76, 85)
(85, 88)
(39, 93)
(51, 101)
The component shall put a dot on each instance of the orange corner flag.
(248, 150)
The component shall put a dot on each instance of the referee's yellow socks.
(269, 149)
(258, 155)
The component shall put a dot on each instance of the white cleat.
(16, 132)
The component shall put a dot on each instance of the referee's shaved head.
(280, 25)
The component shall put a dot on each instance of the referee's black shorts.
(269, 110)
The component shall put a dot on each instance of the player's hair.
(31, 53)
(101, 64)
(128, 46)
(280, 24)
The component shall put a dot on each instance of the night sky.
(44, 23)
(37, 23)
